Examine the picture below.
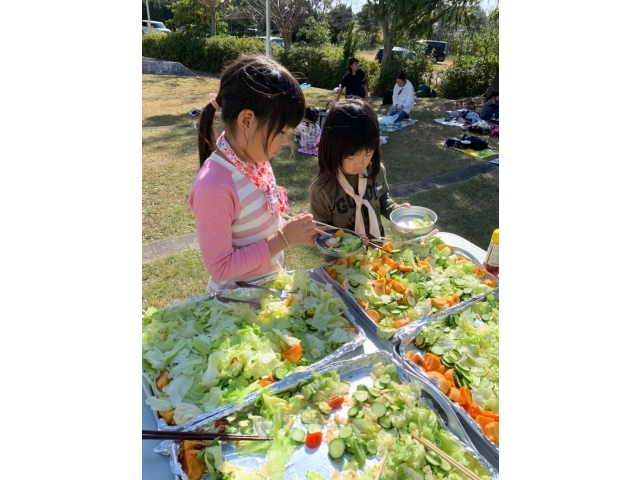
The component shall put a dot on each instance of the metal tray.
(372, 326)
(405, 344)
(248, 293)
(356, 371)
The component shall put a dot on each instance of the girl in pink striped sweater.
(235, 200)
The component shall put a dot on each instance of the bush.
(205, 54)
(419, 70)
(467, 77)
(321, 67)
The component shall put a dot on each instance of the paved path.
(168, 246)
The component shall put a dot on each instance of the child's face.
(256, 145)
(356, 163)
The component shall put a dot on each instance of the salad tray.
(389, 336)
(302, 460)
(356, 338)
(406, 344)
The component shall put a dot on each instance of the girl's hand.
(365, 240)
(300, 230)
(406, 205)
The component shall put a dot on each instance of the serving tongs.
(201, 436)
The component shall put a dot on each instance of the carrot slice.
(339, 233)
(363, 303)
(492, 431)
(332, 273)
(168, 416)
(490, 282)
(399, 287)
(387, 247)
(433, 362)
(163, 380)
(442, 383)
(293, 354)
(438, 302)
(482, 420)
(405, 268)
(454, 394)
(342, 261)
(375, 267)
(288, 301)
(489, 414)
(264, 382)
(378, 287)
(474, 410)
(465, 396)
(443, 246)
(401, 323)
(440, 369)
(351, 260)
(449, 375)
(373, 315)
(479, 272)
(192, 465)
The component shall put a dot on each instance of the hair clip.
(213, 101)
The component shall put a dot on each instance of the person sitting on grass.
(354, 82)
(490, 107)
(403, 98)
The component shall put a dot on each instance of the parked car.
(439, 49)
(274, 41)
(397, 51)
(155, 27)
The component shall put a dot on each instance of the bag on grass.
(476, 143)
(387, 97)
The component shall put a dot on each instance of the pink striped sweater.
(233, 222)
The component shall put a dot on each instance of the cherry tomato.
(474, 410)
(314, 440)
(336, 403)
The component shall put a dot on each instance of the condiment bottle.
(491, 261)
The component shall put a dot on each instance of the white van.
(155, 27)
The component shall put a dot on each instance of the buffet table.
(156, 467)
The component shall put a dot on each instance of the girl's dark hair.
(492, 94)
(352, 60)
(253, 82)
(350, 127)
(402, 76)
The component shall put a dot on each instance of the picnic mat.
(396, 126)
(486, 153)
(442, 121)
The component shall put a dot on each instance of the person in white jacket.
(403, 97)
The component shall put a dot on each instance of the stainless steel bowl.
(401, 216)
(322, 246)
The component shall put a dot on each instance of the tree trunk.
(388, 41)
(287, 38)
(214, 23)
(494, 84)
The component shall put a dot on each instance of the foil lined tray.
(372, 326)
(356, 371)
(248, 294)
(488, 449)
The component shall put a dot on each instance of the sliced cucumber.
(397, 250)
(384, 422)
(361, 396)
(445, 466)
(346, 432)
(437, 350)
(378, 409)
(385, 379)
(374, 392)
(298, 435)
(313, 428)
(308, 415)
(372, 447)
(280, 372)
(307, 392)
(324, 408)
(403, 307)
(360, 414)
(353, 411)
(432, 458)
(491, 298)
(419, 341)
(336, 448)
(377, 384)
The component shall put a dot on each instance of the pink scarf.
(260, 175)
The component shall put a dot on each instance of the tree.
(198, 15)
(285, 15)
(339, 18)
(369, 24)
(315, 33)
(414, 18)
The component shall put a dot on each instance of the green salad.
(353, 427)
(343, 242)
(200, 356)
